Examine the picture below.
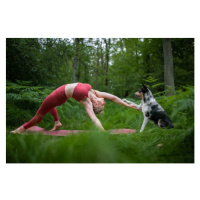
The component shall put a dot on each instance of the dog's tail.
(171, 125)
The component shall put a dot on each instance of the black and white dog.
(152, 111)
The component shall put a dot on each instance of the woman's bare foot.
(57, 125)
(18, 130)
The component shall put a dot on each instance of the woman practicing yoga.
(92, 100)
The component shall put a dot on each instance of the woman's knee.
(38, 117)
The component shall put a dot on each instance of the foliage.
(154, 145)
(183, 57)
(115, 65)
(38, 60)
(36, 66)
(183, 107)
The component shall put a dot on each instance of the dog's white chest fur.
(145, 107)
(146, 110)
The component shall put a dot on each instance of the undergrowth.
(153, 145)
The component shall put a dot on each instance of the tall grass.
(153, 145)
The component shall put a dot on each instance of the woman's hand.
(134, 107)
(89, 109)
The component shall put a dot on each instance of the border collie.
(152, 111)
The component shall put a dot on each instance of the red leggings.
(56, 98)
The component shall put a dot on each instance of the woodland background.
(37, 66)
(115, 65)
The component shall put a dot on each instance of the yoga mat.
(37, 129)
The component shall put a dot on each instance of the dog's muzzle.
(136, 95)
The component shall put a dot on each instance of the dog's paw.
(126, 101)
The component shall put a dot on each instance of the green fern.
(95, 146)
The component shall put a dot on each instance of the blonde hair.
(98, 109)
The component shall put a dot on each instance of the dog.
(152, 111)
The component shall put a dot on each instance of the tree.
(75, 64)
(107, 42)
(97, 62)
(183, 58)
(168, 67)
(22, 55)
(115, 65)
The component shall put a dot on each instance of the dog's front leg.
(144, 123)
(139, 107)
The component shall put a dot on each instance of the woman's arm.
(89, 109)
(131, 103)
(114, 99)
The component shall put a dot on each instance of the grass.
(153, 145)
(103, 147)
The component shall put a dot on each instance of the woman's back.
(69, 89)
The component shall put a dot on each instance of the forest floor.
(151, 146)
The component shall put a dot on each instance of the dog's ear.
(144, 85)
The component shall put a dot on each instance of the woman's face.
(99, 102)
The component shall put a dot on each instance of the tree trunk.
(102, 58)
(97, 68)
(75, 64)
(75, 69)
(107, 60)
(85, 71)
(168, 67)
(101, 69)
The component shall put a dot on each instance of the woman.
(91, 99)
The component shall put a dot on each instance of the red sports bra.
(81, 91)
